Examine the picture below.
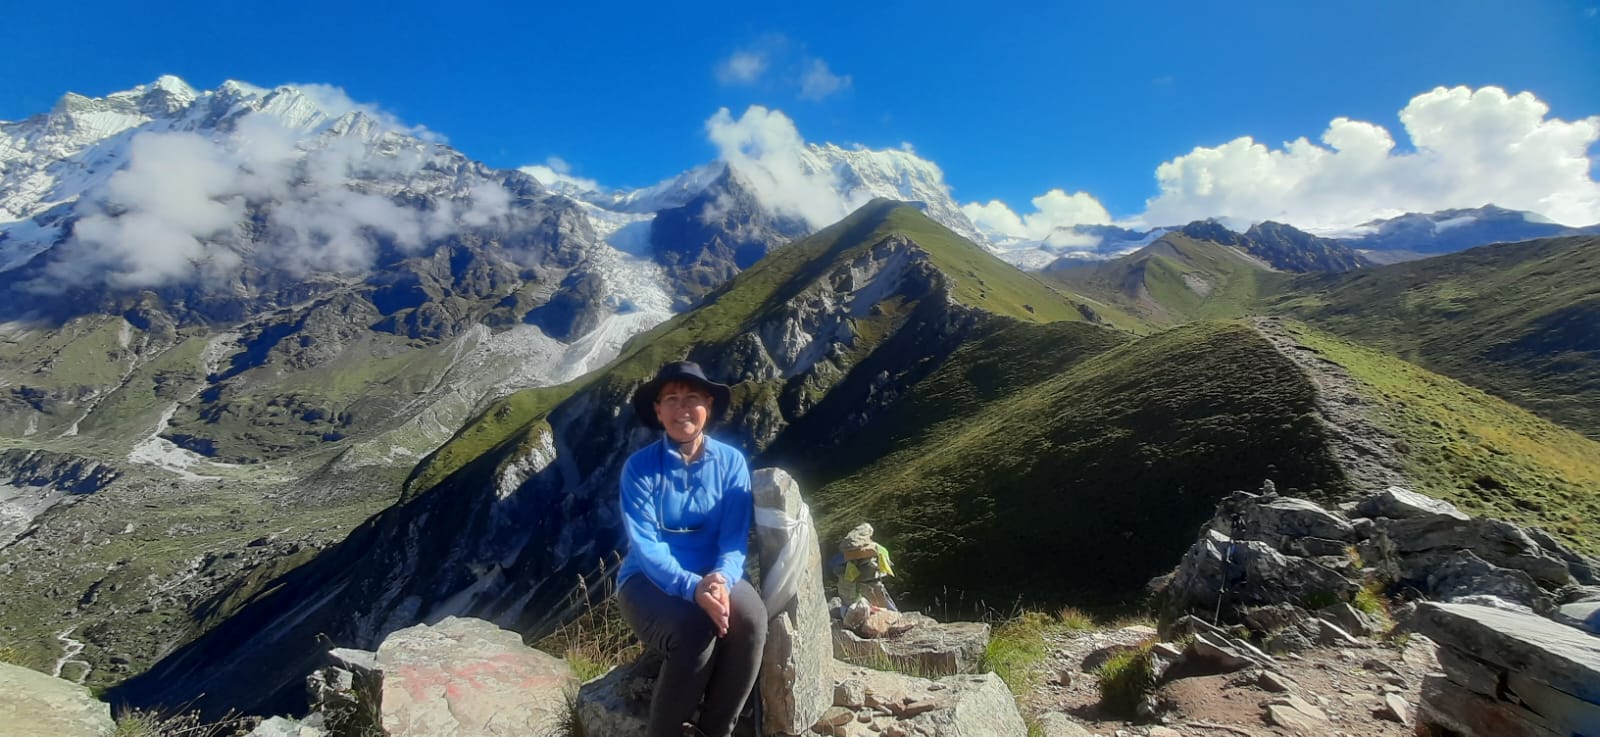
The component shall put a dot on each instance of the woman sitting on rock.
(687, 506)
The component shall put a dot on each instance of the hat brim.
(644, 398)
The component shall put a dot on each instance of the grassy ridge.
(1480, 452)
(1174, 280)
(1521, 320)
(1086, 481)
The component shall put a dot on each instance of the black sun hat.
(644, 398)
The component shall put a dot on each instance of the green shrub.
(141, 723)
(1075, 619)
(1370, 600)
(1017, 649)
(1125, 679)
(598, 639)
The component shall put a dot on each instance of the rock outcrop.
(1267, 550)
(794, 684)
(1509, 674)
(33, 704)
(469, 678)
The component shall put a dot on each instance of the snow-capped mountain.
(245, 248)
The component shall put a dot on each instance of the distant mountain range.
(1383, 241)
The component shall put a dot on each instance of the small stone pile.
(868, 703)
(1509, 674)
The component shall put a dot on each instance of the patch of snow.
(1455, 222)
(164, 454)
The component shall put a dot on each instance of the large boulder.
(468, 678)
(1509, 674)
(1287, 524)
(1450, 575)
(33, 704)
(1535, 647)
(617, 704)
(926, 647)
(1246, 573)
(795, 684)
(1397, 503)
(1495, 541)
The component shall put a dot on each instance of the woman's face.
(683, 409)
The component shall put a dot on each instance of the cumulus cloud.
(764, 148)
(818, 82)
(1470, 148)
(1054, 214)
(187, 208)
(742, 67)
(555, 172)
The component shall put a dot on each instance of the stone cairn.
(873, 632)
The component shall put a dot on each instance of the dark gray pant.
(696, 661)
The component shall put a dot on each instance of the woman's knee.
(749, 615)
(690, 634)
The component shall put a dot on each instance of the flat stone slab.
(929, 648)
(33, 704)
(468, 678)
(1565, 658)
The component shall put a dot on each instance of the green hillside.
(1174, 280)
(1010, 471)
(1480, 452)
(1519, 320)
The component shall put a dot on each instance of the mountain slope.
(1460, 444)
(1079, 480)
(1518, 320)
(1174, 280)
(503, 520)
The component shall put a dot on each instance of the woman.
(686, 506)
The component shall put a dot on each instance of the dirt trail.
(1347, 685)
(1365, 450)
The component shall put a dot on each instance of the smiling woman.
(687, 506)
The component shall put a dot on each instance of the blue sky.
(1010, 100)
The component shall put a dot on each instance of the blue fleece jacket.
(685, 520)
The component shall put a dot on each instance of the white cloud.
(555, 171)
(742, 67)
(1472, 147)
(764, 148)
(818, 82)
(187, 208)
(335, 102)
(1054, 212)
